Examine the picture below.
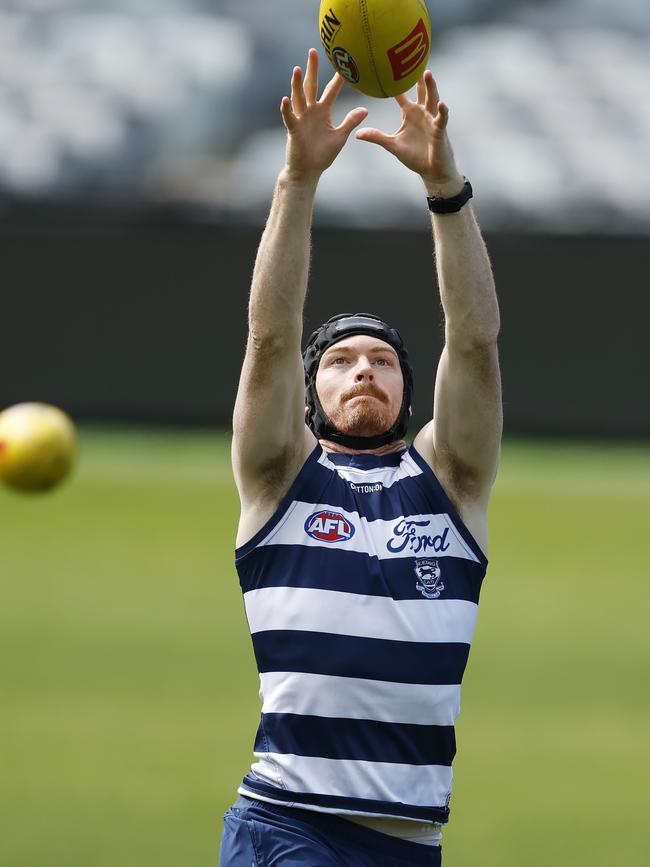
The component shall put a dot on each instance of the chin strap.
(323, 429)
(335, 329)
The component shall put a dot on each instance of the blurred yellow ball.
(38, 446)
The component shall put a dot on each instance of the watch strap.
(440, 205)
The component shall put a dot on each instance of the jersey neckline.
(365, 462)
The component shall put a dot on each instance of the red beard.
(363, 418)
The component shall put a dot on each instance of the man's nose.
(363, 373)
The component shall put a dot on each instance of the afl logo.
(345, 64)
(329, 527)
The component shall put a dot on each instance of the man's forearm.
(279, 284)
(465, 278)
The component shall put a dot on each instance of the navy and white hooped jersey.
(361, 594)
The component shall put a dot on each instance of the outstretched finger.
(442, 118)
(433, 97)
(288, 116)
(298, 101)
(402, 100)
(422, 92)
(376, 136)
(352, 120)
(332, 89)
(311, 77)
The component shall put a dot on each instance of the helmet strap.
(323, 428)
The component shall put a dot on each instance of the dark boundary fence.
(146, 321)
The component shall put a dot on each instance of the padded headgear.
(335, 329)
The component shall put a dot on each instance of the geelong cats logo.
(428, 571)
(329, 527)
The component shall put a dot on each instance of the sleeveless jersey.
(361, 594)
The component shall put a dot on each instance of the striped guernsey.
(361, 594)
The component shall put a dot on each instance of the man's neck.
(388, 449)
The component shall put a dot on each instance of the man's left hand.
(421, 142)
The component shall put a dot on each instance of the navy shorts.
(256, 834)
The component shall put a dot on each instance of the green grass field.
(129, 694)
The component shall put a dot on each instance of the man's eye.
(339, 360)
(381, 361)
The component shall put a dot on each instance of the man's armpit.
(270, 480)
(462, 482)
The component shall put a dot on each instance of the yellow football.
(38, 445)
(380, 46)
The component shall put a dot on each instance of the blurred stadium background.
(139, 142)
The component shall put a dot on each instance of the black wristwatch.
(439, 205)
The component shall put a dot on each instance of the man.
(360, 559)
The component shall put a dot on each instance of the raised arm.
(271, 441)
(462, 441)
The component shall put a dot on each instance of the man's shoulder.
(261, 492)
(458, 482)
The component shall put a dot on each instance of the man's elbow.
(268, 342)
(480, 341)
(477, 330)
(264, 343)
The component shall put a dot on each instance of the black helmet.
(335, 329)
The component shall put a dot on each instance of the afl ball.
(37, 446)
(381, 47)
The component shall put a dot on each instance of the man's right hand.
(313, 142)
